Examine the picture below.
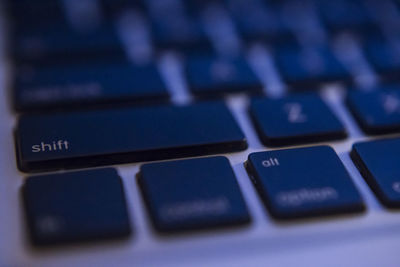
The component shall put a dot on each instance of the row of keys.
(265, 19)
(123, 135)
(207, 75)
(202, 193)
(61, 43)
(62, 87)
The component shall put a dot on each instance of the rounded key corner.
(250, 157)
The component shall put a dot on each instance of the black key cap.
(87, 85)
(75, 207)
(93, 138)
(62, 44)
(295, 119)
(377, 112)
(378, 162)
(212, 76)
(297, 183)
(192, 194)
(306, 68)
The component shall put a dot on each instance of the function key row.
(203, 193)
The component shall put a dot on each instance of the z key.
(295, 120)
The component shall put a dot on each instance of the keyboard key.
(304, 182)
(378, 163)
(344, 15)
(306, 68)
(261, 22)
(211, 76)
(87, 85)
(75, 207)
(181, 35)
(294, 120)
(192, 194)
(94, 138)
(24, 15)
(377, 112)
(62, 44)
(174, 28)
(114, 8)
(384, 57)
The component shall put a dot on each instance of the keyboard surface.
(200, 133)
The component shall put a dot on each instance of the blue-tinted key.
(58, 44)
(213, 76)
(192, 194)
(304, 182)
(377, 112)
(24, 15)
(75, 207)
(383, 56)
(344, 15)
(378, 162)
(81, 86)
(306, 68)
(173, 27)
(261, 22)
(295, 119)
(114, 8)
(108, 136)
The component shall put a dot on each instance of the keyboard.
(200, 133)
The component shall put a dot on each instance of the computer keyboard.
(200, 133)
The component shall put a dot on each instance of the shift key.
(94, 138)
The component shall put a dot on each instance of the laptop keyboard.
(102, 82)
